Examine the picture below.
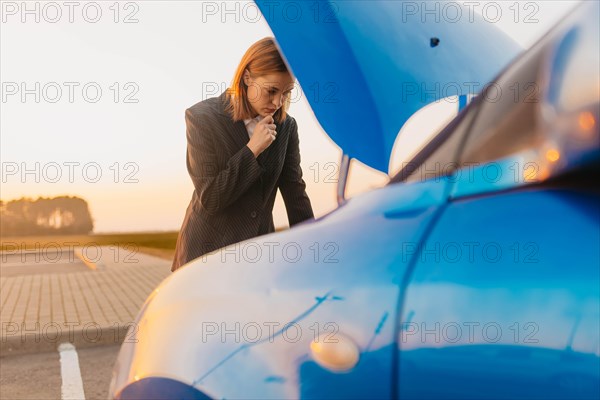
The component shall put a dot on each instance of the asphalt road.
(38, 376)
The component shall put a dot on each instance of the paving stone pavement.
(92, 305)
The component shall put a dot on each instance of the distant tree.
(45, 216)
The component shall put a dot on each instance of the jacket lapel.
(239, 133)
(236, 130)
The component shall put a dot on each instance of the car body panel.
(497, 312)
(309, 285)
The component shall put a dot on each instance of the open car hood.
(367, 66)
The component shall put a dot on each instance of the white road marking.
(72, 385)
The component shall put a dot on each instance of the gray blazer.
(234, 191)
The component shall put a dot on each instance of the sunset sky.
(172, 58)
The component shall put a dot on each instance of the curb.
(91, 335)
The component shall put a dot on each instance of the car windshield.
(437, 157)
(497, 123)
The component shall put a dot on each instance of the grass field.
(160, 244)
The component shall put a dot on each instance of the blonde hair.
(262, 58)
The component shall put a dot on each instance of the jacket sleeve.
(216, 188)
(291, 184)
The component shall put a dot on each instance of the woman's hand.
(263, 135)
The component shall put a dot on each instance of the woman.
(242, 146)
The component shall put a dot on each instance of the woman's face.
(267, 93)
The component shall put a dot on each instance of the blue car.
(475, 273)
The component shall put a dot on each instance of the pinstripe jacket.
(234, 191)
